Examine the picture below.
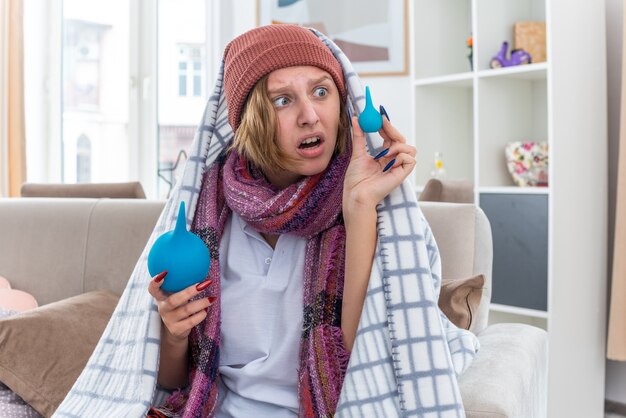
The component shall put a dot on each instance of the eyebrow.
(286, 86)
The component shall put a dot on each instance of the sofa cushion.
(43, 351)
(508, 377)
(36, 233)
(459, 299)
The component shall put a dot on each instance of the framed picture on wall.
(372, 33)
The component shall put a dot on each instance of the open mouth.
(309, 143)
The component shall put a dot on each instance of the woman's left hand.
(365, 183)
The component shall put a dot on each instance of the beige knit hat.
(262, 50)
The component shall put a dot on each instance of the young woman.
(289, 216)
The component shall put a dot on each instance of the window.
(115, 89)
(82, 63)
(197, 78)
(182, 79)
(95, 99)
(182, 87)
(83, 159)
(190, 75)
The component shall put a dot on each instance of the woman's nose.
(308, 114)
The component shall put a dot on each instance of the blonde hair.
(256, 139)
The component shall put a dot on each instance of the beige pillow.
(459, 299)
(43, 351)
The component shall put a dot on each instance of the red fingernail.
(160, 276)
(201, 286)
(212, 299)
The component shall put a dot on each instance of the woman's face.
(306, 101)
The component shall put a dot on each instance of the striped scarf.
(311, 208)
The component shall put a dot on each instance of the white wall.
(615, 371)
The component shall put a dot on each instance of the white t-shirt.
(261, 323)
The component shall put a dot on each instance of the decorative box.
(531, 37)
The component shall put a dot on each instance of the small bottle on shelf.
(438, 171)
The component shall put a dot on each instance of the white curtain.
(12, 135)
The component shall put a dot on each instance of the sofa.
(65, 249)
(128, 190)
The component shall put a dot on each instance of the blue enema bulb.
(182, 253)
(369, 119)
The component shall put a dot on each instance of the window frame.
(46, 141)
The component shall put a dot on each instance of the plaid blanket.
(407, 354)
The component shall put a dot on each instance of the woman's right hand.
(178, 313)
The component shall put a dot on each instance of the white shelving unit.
(557, 274)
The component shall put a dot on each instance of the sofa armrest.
(463, 236)
(508, 377)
